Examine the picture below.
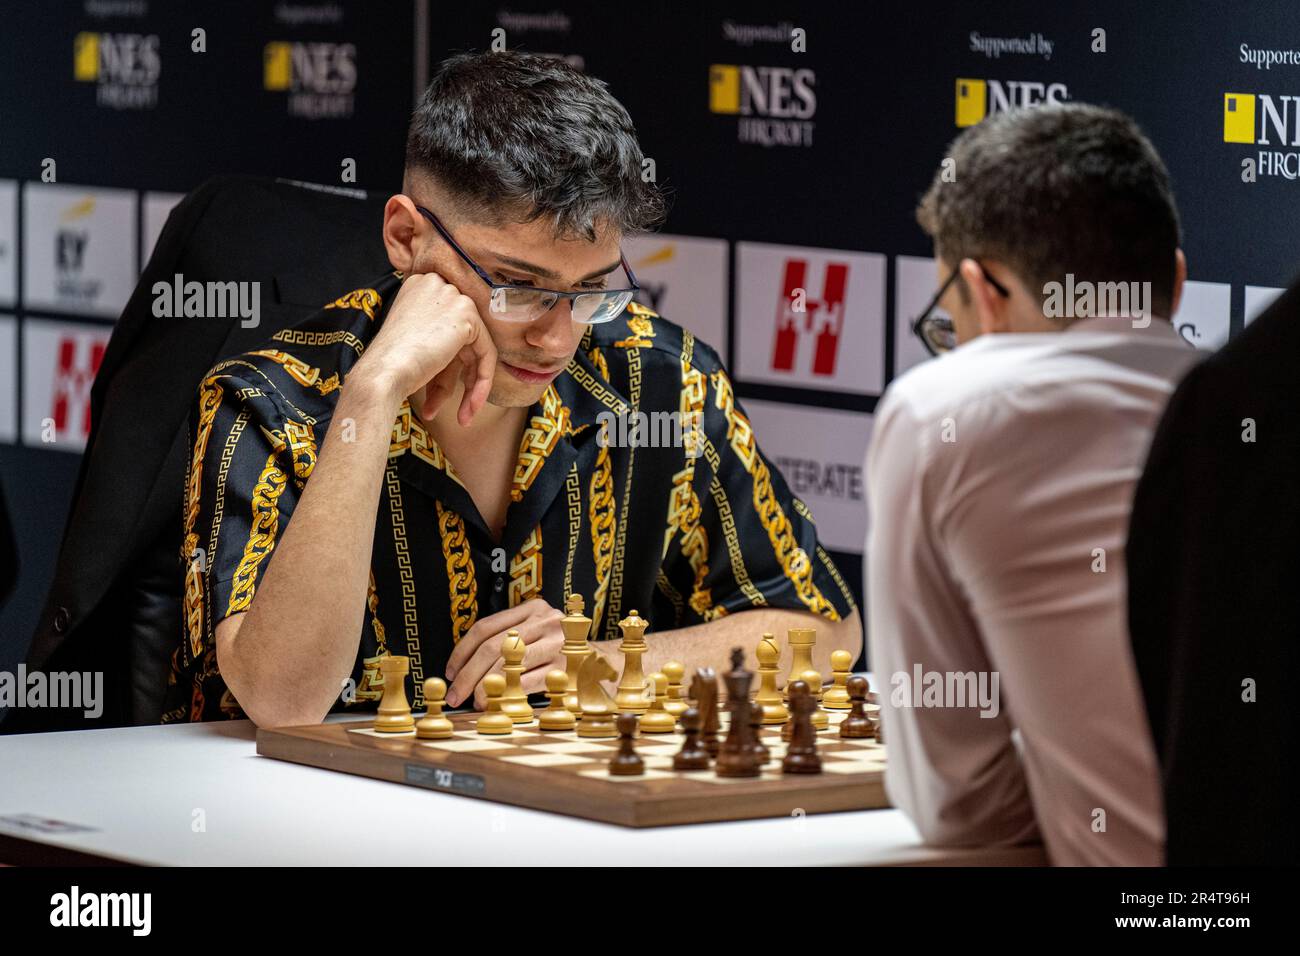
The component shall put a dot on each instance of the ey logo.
(1239, 117)
(978, 98)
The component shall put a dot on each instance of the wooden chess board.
(561, 772)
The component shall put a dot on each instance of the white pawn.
(657, 720)
(557, 716)
(836, 697)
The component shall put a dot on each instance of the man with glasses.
(999, 483)
(431, 462)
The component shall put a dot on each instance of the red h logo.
(72, 382)
(825, 316)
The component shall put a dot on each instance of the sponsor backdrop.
(794, 138)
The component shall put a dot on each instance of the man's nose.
(555, 330)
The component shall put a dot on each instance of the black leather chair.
(115, 604)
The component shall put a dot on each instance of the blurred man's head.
(534, 170)
(1063, 195)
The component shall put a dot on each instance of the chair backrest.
(115, 600)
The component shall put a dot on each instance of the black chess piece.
(801, 756)
(737, 758)
(880, 730)
(692, 756)
(627, 762)
(761, 754)
(704, 691)
(857, 725)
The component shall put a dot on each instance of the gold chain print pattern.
(601, 515)
(543, 433)
(209, 401)
(461, 586)
(794, 560)
(526, 569)
(367, 300)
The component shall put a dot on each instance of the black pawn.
(627, 762)
(801, 756)
(761, 754)
(857, 725)
(692, 756)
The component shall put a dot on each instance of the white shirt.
(1000, 478)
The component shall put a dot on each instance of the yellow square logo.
(277, 66)
(1239, 117)
(724, 89)
(85, 57)
(970, 101)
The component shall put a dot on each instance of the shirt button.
(499, 584)
(62, 618)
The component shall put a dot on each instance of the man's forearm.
(300, 635)
(709, 645)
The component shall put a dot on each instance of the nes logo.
(60, 361)
(979, 98)
(79, 248)
(774, 105)
(1261, 119)
(123, 66)
(811, 318)
(320, 78)
(684, 279)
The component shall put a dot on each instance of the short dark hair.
(1051, 190)
(525, 136)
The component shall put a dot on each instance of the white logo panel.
(1203, 315)
(684, 279)
(157, 206)
(60, 360)
(8, 242)
(812, 318)
(8, 379)
(1259, 298)
(78, 248)
(915, 283)
(820, 453)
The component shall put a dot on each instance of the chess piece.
(768, 697)
(736, 758)
(556, 716)
(692, 756)
(433, 725)
(676, 705)
(880, 729)
(576, 627)
(657, 720)
(820, 719)
(394, 710)
(857, 725)
(627, 762)
(598, 708)
(760, 751)
(514, 701)
(493, 720)
(704, 691)
(836, 697)
(631, 689)
(801, 756)
(801, 641)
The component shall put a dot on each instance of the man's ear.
(402, 226)
(990, 306)
(1180, 277)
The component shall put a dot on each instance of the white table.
(140, 788)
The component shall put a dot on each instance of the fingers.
(481, 630)
(471, 675)
(541, 658)
(484, 359)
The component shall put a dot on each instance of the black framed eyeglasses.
(526, 303)
(936, 332)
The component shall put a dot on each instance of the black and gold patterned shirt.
(684, 534)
